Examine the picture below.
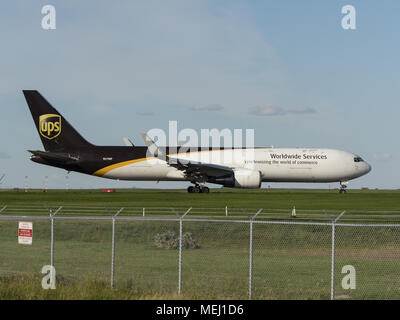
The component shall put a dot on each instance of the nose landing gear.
(198, 189)
(343, 186)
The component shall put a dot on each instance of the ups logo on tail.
(50, 125)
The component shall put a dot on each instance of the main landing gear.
(343, 186)
(198, 189)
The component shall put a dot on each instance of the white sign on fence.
(25, 232)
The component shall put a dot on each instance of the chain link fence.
(255, 258)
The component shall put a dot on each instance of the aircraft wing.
(193, 169)
(199, 170)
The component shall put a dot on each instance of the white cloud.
(302, 110)
(266, 110)
(273, 110)
(209, 107)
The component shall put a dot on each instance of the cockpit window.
(358, 159)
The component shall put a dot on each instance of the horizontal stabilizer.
(54, 157)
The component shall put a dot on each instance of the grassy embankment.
(290, 262)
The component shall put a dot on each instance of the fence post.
(52, 241)
(226, 211)
(52, 234)
(333, 256)
(251, 252)
(333, 262)
(112, 252)
(113, 247)
(251, 260)
(180, 251)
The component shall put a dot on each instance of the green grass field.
(311, 205)
(381, 200)
(290, 261)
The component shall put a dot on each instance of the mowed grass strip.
(302, 199)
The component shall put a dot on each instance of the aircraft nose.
(367, 168)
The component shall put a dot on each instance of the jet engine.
(242, 178)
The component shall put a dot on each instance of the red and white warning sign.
(25, 232)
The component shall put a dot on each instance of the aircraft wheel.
(205, 190)
(196, 189)
(190, 189)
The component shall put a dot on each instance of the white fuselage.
(274, 164)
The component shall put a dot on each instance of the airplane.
(229, 167)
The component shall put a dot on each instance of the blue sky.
(287, 69)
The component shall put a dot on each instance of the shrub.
(169, 240)
(189, 241)
(166, 240)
